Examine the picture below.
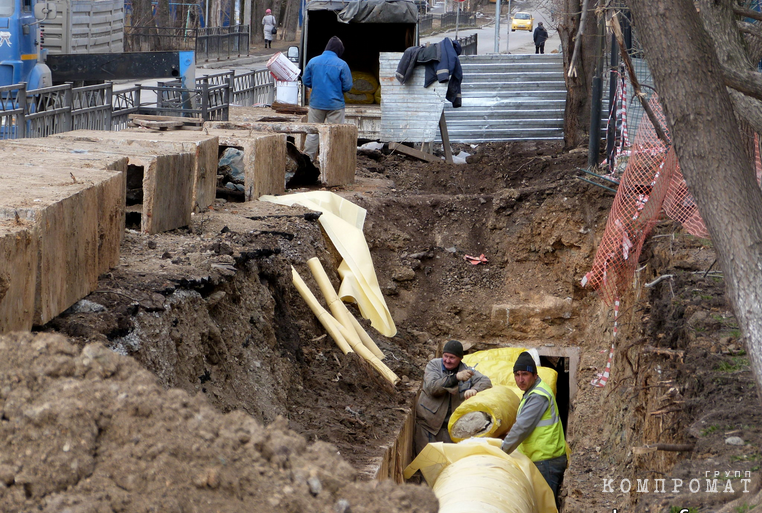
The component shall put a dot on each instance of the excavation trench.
(211, 310)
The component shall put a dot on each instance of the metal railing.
(430, 22)
(52, 110)
(469, 44)
(222, 42)
(425, 23)
(448, 20)
(209, 43)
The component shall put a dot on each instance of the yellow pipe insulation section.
(476, 476)
(343, 221)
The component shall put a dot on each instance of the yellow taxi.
(522, 21)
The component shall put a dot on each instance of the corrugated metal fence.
(505, 98)
(509, 98)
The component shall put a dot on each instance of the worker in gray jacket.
(447, 382)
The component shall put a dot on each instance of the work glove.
(469, 393)
(464, 375)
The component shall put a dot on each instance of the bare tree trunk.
(710, 148)
(577, 113)
(290, 20)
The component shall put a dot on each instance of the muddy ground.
(217, 343)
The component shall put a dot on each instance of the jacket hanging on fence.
(442, 64)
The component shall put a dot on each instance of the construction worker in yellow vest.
(538, 432)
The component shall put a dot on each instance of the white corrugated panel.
(410, 112)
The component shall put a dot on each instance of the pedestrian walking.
(269, 23)
(540, 36)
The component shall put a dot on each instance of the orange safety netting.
(651, 183)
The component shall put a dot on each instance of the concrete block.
(37, 153)
(64, 204)
(264, 157)
(19, 251)
(338, 145)
(337, 154)
(202, 172)
(167, 184)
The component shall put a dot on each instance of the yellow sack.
(377, 96)
(363, 82)
(357, 98)
(490, 413)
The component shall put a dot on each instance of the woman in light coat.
(269, 22)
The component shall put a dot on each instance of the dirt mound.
(89, 430)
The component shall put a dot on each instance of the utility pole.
(497, 26)
(508, 32)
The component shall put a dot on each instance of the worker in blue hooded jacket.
(329, 78)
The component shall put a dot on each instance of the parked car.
(522, 21)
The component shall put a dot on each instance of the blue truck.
(47, 42)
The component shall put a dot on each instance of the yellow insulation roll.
(490, 413)
(498, 367)
(476, 476)
(483, 483)
(508, 354)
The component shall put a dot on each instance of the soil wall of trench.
(216, 343)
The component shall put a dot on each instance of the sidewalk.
(257, 58)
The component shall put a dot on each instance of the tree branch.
(747, 13)
(578, 40)
(750, 28)
(634, 80)
(746, 82)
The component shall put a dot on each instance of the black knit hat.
(453, 347)
(525, 362)
(335, 45)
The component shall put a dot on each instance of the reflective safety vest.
(547, 440)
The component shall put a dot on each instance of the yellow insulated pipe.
(339, 309)
(476, 476)
(339, 333)
(325, 318)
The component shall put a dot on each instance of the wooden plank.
(445, 138)
(157, 125)
(264, 157)
(260, 114)
(181, 120)
(412, 152)
(287, 128)
(19, 250)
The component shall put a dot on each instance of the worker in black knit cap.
(447, 382)
(538, 432)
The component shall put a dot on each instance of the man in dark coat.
(447, 382)
(540, 36)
